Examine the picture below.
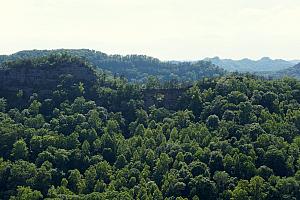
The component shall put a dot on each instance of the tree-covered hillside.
(232, 137)
(136, 68)
(291, 72)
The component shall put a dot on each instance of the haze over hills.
(295, 61)
(248, 65)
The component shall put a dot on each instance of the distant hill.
(295, 61)
(136, 68)
(247, 65)
(291, 72)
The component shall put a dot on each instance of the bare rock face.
(167, 98)
(41, 80)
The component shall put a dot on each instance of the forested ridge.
(290, 72)
(135, 68)
(230, 137)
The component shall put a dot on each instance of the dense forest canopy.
(231, 137)
(136, 68)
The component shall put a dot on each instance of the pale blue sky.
(167, 29)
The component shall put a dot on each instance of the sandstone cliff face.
(167, 98)
(41, 80)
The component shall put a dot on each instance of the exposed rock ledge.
(41, 80)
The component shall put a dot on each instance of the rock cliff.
(167, 98)
(41, 80)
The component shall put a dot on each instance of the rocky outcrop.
(167, 98)
(41, 80)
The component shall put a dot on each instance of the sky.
(166, 29)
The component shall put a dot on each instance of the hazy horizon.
(168, 30)
(182, 60)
